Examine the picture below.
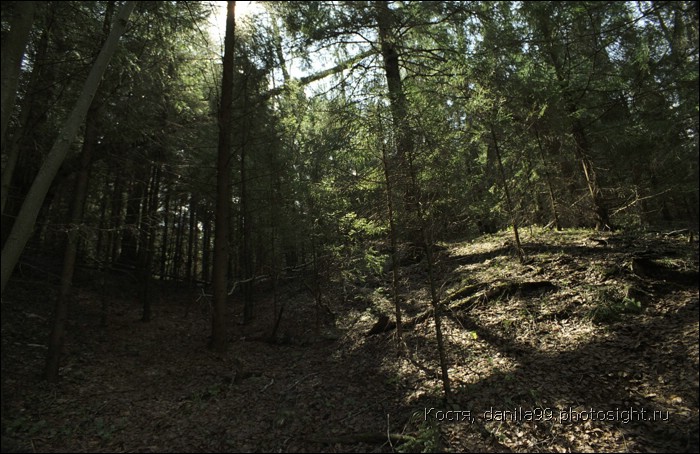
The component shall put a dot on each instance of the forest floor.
(591, 345)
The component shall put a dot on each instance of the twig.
(300, 380)
(388, 433)
(272, 380)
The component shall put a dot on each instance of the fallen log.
(479, 293)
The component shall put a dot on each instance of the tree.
(23, 226)
(223, 187)
(12, 53)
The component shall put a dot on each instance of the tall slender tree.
(24, 224)
(223, 187)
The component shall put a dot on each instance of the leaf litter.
(578, 349)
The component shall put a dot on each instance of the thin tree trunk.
(582, 150)
(394, 249)
(99, 253)
(223, 187)
(147, 243)
(60, 315)
(509, 201)
(24, 224)
(246, 258)
(177, 253)
(117, 205)
(206, 248)
(437, 315)
(548, 179)
(12, 147)
(128, 256)
(406, 176)
(165, 237)
(192, 218)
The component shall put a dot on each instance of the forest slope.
(606, 323)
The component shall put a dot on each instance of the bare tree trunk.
(206, 248)
(437, 315)
(582, 149)
(246, 231)
(11, 148)
(394, 248)
(403, 171)
(60, 315)
(509, 201)
(116, 207)
(165, 237)
(24, 224)
(192, 217)
(177, 252)
(548, 179)
(223, 188)
(147, 243)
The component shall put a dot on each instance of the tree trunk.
(394, 248)
(246, 231)
(165, 237)
(24, 224)
(582, 150)
(192, 217)
(128, 255)
(11, 148)
(117, 205)
(403, 170)
(406, 175)
(223, 187)
(177, 253)
(57, 336)
(206, 248)
(548, 179)
(147, 243)
(509, 201)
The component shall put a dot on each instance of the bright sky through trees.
(217, 22)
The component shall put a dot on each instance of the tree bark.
(206, 247)
(403, 170)
(24, 225)
(246, 225)
(57, 335)
(192, 218)
(509, 201)
(165, 237)
(394, 248)
(223, 187)
(147, 243)
(60, 314)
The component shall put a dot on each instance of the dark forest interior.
(350, 226)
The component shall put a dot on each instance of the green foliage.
(610, 307)
(425, 438)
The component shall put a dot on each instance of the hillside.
(603, 329)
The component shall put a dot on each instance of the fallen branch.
(490, 292)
